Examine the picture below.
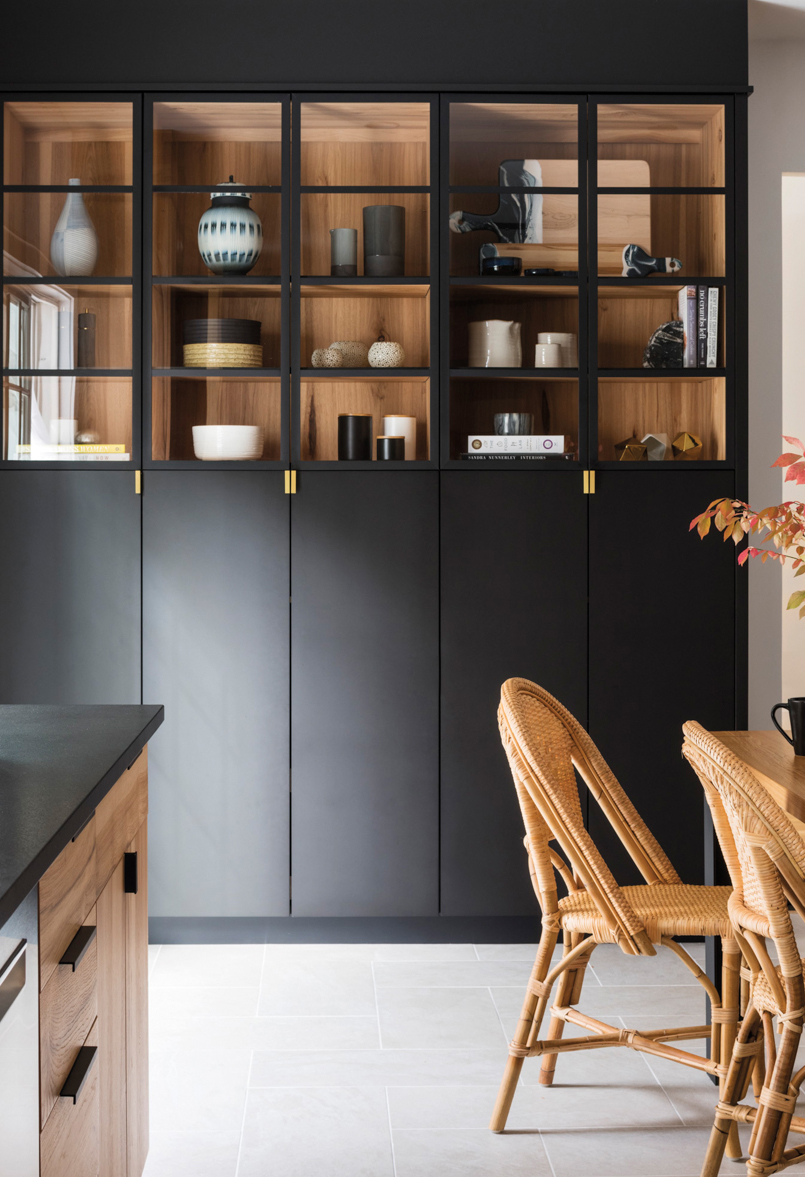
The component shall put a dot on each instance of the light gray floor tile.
(613, 967)
(624, 1152)
(317, 986)
(426, 1018)
(362, 1068)
(176, 1032)
(469, 1154)
(193, 1154)
(215, 1002)
(186, 966)
(509, 951)
(153, 953)
(424, 952)
(198, 1091)
(660, 1002)
(674, 1075)
(473, 974)
(283, 952)
(333, 1131)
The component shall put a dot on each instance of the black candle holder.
(354, 437)
(390, 449)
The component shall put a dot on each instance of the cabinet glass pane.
(206, 142)
(55, 418)
(54, 142)
(251, 342)
(372, 143)
(323, 400)
(627, 318)
(525, 312)
(631, 408)
(688, 228)
(103, 250)
(483, 219)
(553, 405)
(483, 135)
(321, 212)
(678, 145)
(66, 326)
(399, 314)
(179, 403)
(175, 234)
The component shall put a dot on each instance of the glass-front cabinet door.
(661, 253)
(514, 262)
(70, 233)
(219, 280)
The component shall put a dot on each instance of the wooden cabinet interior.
(372, 143)
(206, 142)
(175, 237)
(687, 227)
(560, 246)
(398, 313)
(179, 403)
(633, 407)
(553, 402)
(54, 142)
(111, 305)
(484, 134)
(321, 402)
(683, 143)
(537, 308)
(627, 317)
(29, 219)
(322, 211)
(172, 305)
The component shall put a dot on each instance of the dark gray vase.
(384, 240)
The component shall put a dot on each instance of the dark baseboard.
(345, 930)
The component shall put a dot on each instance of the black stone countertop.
(56, 764)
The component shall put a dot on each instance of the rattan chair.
(766, 860)
(544, 744)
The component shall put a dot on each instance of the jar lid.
(230, 194)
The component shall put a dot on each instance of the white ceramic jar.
(396, 425)
(230, 233)
(495, 343)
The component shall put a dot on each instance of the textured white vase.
(230, 233)
(495, 343)
(74, 244)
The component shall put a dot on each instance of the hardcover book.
(712, 327)
(701, 327)
(519, 443)
(688, 315)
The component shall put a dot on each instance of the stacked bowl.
(222, 343)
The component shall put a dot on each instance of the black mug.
(796, 713)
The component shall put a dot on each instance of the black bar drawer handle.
(130, 872)
(82, 1066)
(77, 948)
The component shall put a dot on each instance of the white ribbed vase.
(74, 244)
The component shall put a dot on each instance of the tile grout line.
(377, 1007)
(497, 1011)
(391, 1134)
(245, 1110)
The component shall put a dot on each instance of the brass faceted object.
(631, 450)
(687, 447)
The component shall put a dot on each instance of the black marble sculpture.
(639, 264)
(518, 217)
(666, 347)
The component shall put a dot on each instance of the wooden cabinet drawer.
(67, 893)
(68, 1007)
(119, 817)
(68, 1144)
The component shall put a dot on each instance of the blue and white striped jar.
(230, 234)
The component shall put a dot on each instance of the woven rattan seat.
(546, 748)
(766, 860)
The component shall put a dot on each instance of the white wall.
(793, 239)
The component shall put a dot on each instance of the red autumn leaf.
(795, 441)
(743, 557)
(787, 459)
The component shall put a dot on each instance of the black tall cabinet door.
(662, 649)
(216, 653)
(514, 604)
(365, 694)
(69, 587)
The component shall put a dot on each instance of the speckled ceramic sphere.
(386, 354)
(327, 357)
(355, 353)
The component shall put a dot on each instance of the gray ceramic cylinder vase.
(74, 244)
(384, 240)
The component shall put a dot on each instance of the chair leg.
(730, 998)
(568, 993)
(773, 1123)
(736, 1075)
(531, 1016)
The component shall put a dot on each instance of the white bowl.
(228, 443)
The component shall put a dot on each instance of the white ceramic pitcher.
(495, 343)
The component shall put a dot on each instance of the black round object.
(354, 437)
(221, 330)
(535, 271)
(501, 265)
(390, 449)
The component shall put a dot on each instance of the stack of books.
(698, 310)
(73, 453)
(535, 447)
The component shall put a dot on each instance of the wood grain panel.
(371, 143)
(175, 234)
(111, 913)
(627, 319)
(547, 308)
(633, 408)
(404, 318)
(321, 401)
(173, 304)
(69, 1143)
(179, 404)
(690, 228)
(206, 142)
(68, 1006)
(66, 896)
(683, 144)
(111, 306)
(30, 219)
(321, 212)
(137, 1010)
(104, 405)
(53, 142)
(119, 816)
(483, 134)
(473, 404)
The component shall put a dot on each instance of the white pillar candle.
(396, 426)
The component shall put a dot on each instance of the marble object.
(687, 447)
(355, 353)
(87, 437)
(386, 354)
(639, 264)
(547, 355)
(327, 357)
(518, 217)
(666, 347)
(568, 345)
(513, 424)
(74, 244)
(657, 446)
(343, 253)
(230, 233)
(630, 450)
(495, 343)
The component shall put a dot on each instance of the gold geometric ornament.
(687, 447)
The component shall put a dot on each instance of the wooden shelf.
(321, 402)
(53, 142)
(171, 305)
(205, 142)
(553, 399)
(537, 308)
(399, 313)
(29, 221)
(217, 373)
(683, 143)
(387, 375)
(635, 406)
(175, 233)
(372, 143)
(483, 134)
(177, 404)
(97, 402)
(628, 316)
(32, 306)
(691, 228)
(514, 373)
(320, 212)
